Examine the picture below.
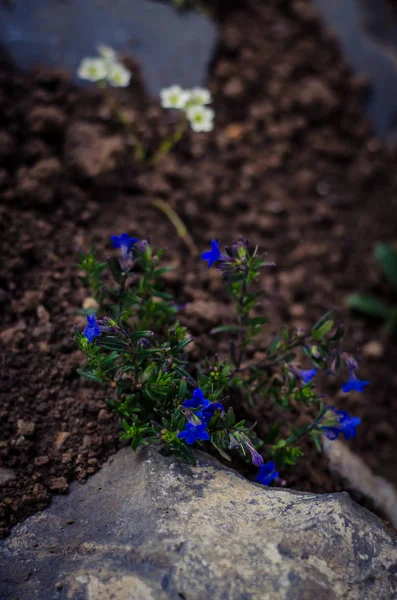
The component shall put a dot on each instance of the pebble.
(373, 349)
(25, 428)
(61, 439)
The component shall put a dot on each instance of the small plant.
(371, 305)
(106, 70)
(136, 344)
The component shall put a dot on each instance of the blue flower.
(197, 400)
(354, 383)
(209, 410)
(267, 473)
(192, 433)
(306, 375)
(212, 255)
(123, 241)
(343, 424)
(91, 330)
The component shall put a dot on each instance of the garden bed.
(292, 164)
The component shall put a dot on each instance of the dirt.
(292, 164)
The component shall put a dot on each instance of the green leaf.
(320, 333)
(182, 345)
(89, 375)
(112, 343)
(368, 305)
(142, 333)
(257, 321)
(329, 316)
(223, 328)
(386, 256)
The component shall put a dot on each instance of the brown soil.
(292, 164)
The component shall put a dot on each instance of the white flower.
(107, 52)
(200, 96)
(93, 69)
(201, 118)
(118, 75)
(174, 97)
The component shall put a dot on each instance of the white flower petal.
(118, 75)
(107, 52)
(92, 69)
(200, 118)
(174, 97)
(200, 96)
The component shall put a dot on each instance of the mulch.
(292, 164)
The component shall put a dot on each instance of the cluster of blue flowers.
(198, 410)
(340, 423)
(205, 410)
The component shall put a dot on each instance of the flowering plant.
(108, 70)
(139, 347)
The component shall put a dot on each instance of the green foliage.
(141, 351)
(369, 304)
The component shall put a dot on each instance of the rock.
(360, 477)
(89, 151)
(14, 333)
(316, 95)
(61, 439)
(90, 303)
(373, 349)
(25, 428)
(150, 527)
(170, 45)
(59, 485)
(43, 315)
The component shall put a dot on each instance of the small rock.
(234, 131)
(234, 88)
(315, 93)
(25, 428)
(61, 439)
(43, 315)
(13, 333)
(90, 303)
(41, 460)
(59, 585)
(90, 152)
(297, 310)
(29, 301)
(373, 349)
(58, 485)
(104, 415)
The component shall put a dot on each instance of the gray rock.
(172, 46)
(148, 527)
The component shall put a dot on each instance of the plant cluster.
(136, 344)
(105, 69)
(108, 70)
(369, 304)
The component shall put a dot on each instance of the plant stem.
(168, 144)
(117, 114)
(177, 222)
